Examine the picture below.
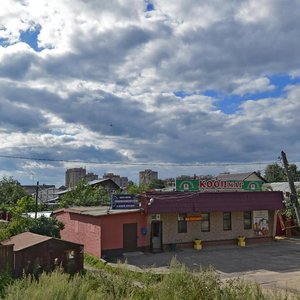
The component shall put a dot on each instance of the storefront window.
(205, 223)
(182, 224)
(227, 221)
(247, 220)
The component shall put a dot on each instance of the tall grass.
(119, 283)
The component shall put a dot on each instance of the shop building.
(215, 218)
(164, 220)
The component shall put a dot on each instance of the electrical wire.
(207, 164)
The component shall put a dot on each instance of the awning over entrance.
(188, 202)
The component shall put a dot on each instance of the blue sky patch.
(229, 103)
(30, 37)
(182, 94)
(149, 6)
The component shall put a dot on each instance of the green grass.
(106, 282)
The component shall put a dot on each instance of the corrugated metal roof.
(237, 176)
(281, 186)
(187, 202)
(25, 240)
(96, 210)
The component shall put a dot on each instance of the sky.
(179, 87)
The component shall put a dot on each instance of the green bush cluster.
(119, 283)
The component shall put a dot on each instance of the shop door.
(156, 236)
(130, 237)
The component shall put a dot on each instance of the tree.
(43, 225)
(275, 173)
(137, 189)
(294, 172)
(10, 191)
(85, 195)
(157, 184)
(25, 204)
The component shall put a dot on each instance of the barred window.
(227, 221)
(205, 223)
(182, 224)
(247, 220)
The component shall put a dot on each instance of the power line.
(208, 164)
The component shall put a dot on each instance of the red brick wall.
(101, 233)
(82, 229)
(112, 230)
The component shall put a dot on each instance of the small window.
(247, 220)
(182, 224)
(227, 221)
(205, 223)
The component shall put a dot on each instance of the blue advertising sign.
(127, 201)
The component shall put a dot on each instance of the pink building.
(103, 230)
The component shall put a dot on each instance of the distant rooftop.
(238, 176)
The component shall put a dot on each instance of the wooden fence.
(6, 258)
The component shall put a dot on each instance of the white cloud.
(253, 11)
(103, 89)
(246, 86)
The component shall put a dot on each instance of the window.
(182, 224)
(227, 221)
(205, 223)
(247, 220)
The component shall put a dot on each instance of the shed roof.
(28, 239)
(187, 202)
(25, 240)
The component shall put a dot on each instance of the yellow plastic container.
(197, 244)
(241, 241)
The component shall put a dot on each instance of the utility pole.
(293, 197)
(36, 199)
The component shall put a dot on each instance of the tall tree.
(85, 195)
(294, 172)
(10, 191)
(275, 173)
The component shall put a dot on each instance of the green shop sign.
(207, 185)
(187, 185)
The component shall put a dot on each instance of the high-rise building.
(123, 182)
(73, 176)
(147, 176)
(115, 178)
(91, 176)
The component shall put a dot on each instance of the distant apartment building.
(123, 182)
(145, 177)
(73, 176)
(91, 176)
(169, 182)
(115, 178)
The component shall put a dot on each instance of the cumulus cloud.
(102, 84)
(258, 85)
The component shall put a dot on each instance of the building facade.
(173, 218)
(73, 176)
(104, 231)
(145, 177)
